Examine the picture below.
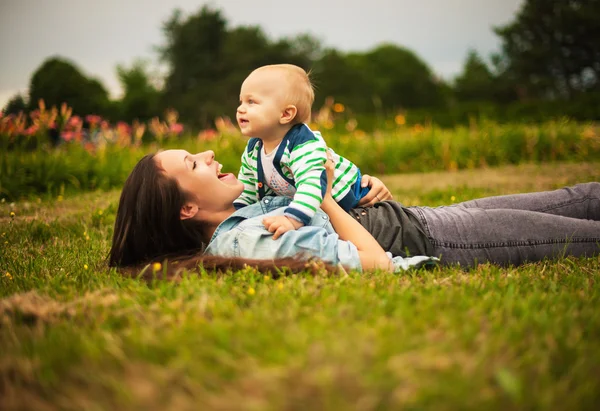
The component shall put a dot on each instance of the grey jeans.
(513, 229)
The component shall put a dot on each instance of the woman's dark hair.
(148, 228)
(148, 223)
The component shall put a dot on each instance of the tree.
(386, 78)
(59, 81)
(208, 62)
(141, 98)
(15, 105)
(193, 52)
(552, 48)
(334, 75)
(400, 79)
(476, 82)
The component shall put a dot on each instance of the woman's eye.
(194, 166)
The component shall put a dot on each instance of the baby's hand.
(281, 224)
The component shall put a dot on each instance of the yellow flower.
(12, 214)
(87, 237)
(452, 198)
(59, 198)
(8, 275)
(156, 266)
(251, 291)
(100, 212)
(417, 128)
(85, 266)
(400, 120)
(280, 286)
(267, 278)
(338, 108)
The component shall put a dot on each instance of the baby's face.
(262, 101)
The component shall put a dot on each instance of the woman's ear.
(288, 114)
(188, 210)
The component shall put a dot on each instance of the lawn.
(77, 336)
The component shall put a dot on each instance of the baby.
(284, 156)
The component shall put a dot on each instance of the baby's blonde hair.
(300, 89)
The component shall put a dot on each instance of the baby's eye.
(251, 101)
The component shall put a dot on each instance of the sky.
(98, 35)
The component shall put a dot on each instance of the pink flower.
(176, 128)
(123, 127)
(31, 130)
(93, 119)
(207, 135)
(67, 135)
(74, 121)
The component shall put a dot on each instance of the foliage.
(193, 53)
(59, 81)
(399, 78)
(208, 62)
(476, 83)
(551, 49)
(141, 99)
(77, 335)
(382, 80)
(15, 105)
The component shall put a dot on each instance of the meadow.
(76, 335)
(91, 154)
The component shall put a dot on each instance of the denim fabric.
(513, 229)
(244, 235)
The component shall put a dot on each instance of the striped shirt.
(300, 161)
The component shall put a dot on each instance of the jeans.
(514, 229)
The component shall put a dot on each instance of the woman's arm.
(371, 254)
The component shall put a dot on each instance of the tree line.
(549, 63)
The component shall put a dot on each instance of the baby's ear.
(288, 114)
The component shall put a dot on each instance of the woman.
(178, 204)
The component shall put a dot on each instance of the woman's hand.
(378, 191)
(370, 252)
(329, 170)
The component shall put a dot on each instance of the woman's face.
(200, 176)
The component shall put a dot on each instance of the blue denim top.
(244, 235)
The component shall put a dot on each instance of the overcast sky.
(98, 35)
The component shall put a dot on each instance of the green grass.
(75, 335)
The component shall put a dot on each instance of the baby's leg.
(581, 201)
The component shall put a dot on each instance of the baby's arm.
(247, 175)
(307, 163)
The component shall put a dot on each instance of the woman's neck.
(212, 221)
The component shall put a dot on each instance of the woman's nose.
(207, 156)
